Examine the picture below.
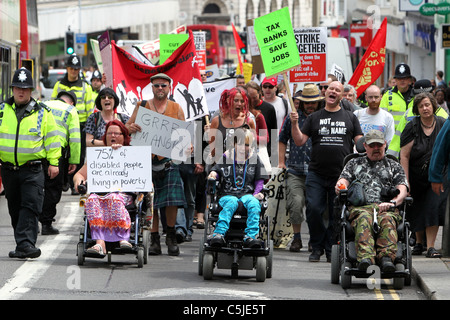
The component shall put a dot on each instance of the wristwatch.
(93, 142)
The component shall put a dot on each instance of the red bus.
(19, 42)
(220, 44)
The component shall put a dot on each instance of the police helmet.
(22, 79)
(423, 85)
(96, 75)
(402, 71)
(74, 62)
(70, 94)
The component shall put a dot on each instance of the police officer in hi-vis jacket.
(28, 141)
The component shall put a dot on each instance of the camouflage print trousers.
(368, 244)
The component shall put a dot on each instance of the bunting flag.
(371, 65)
(131, 80)
(239, 46)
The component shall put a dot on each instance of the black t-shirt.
(332, 135)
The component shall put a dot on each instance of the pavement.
(433, 274)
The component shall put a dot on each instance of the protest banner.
(150, 49)
(214, 89)
(127, 169)
(168, 137)
(276, 40)
(312, 48)
(132, 80)
(168, 43)
(105, 52)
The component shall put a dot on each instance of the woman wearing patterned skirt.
(107, 214)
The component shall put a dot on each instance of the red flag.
(239, 46)
(372, 64)
(132, 79)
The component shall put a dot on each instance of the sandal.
(433, 253)
(418, 249)
(125, 244)
(96, 249)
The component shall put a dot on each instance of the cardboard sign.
(168, 137)
(127, 169)
(276, 41)
(312, 48)
(169, 43)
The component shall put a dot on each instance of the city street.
(56, 275)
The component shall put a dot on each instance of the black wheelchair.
(139, 233)
(343, 254)
(234, 255)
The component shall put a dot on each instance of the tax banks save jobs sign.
(276, 42)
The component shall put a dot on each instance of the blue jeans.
(320, 193)
(230, 205)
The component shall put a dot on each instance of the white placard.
(168, 137)
(127, 169)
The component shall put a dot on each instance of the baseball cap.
(272, 81)
(374, 136)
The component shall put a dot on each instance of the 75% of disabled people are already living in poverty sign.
(276, 42)
(127, 169)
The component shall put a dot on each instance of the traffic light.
(243, 36)
(69, 43)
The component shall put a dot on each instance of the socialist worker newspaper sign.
(276, 42)
(312, 48)
(132, 80)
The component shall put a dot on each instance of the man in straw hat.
(333, 131)
(297, 165)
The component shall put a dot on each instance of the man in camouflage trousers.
(385, 186)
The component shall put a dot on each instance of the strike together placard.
(312, 48)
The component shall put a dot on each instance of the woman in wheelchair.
(239, 172)
(107, 214)
(375, 239)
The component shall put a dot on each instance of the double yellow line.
(379, 294)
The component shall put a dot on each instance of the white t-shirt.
(280, 110)
(382, 121)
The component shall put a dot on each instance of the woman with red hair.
(107, 214)
(234, 114)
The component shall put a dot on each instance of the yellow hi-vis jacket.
(35, 137)
(83, 91)
(66, 118)
(394, 146)
(394, 103)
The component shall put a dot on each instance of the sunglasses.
(323, 87)
(268, 87)
(106, 96)
(158, 85)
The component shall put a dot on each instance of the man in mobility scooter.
(375, 219)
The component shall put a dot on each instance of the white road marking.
(32, 269)
(201, 291)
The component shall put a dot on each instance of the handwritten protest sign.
(276, 41)
(168, 137)
(312, 48)
(127, 169)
